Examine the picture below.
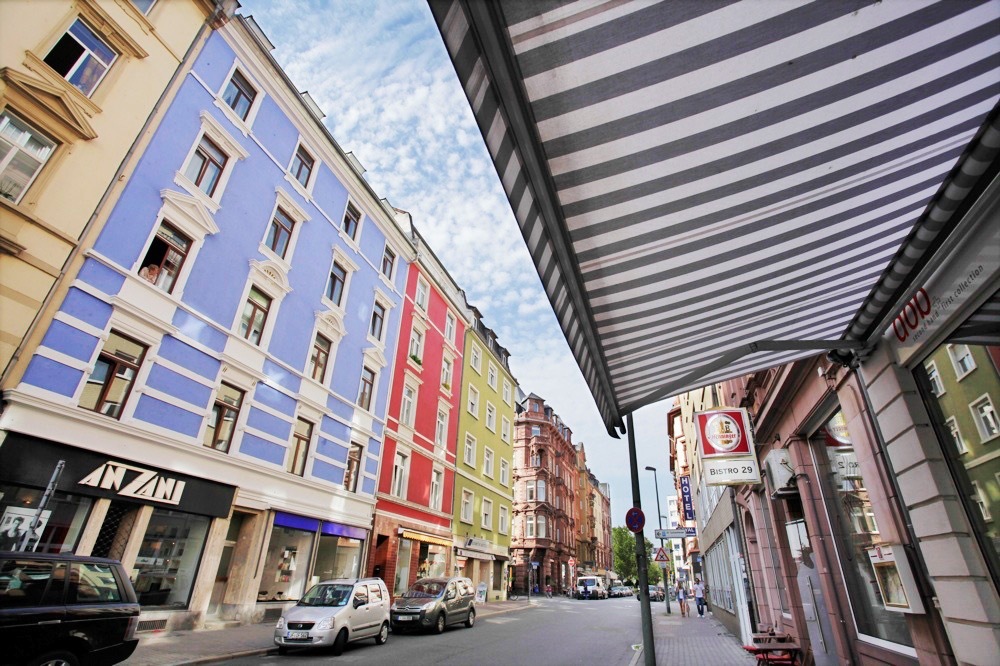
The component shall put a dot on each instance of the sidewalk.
(693, 641)
(209, 646)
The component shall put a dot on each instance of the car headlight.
(325, 624)
(281, 623)
(428, 606)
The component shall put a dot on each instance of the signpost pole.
(659, 521)
(648, 649)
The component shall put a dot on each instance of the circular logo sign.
(723, 432)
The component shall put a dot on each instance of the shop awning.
(426, 538)
(712, 188)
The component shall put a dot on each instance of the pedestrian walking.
(682, 599)
(548, 591)
(699, 596)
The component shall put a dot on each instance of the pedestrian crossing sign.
(661, 555)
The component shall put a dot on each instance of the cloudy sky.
(380, 72)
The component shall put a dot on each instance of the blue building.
(216, 378)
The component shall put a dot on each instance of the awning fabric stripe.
(712, 188)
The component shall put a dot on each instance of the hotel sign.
(726, 447)
(686, 498)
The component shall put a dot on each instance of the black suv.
(65, 610)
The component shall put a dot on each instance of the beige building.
(80, 85)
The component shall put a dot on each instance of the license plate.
(293, 635)
(404, 618)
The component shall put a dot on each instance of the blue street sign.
(635, 520)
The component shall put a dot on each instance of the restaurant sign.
(726, 447)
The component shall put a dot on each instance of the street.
(557, 631)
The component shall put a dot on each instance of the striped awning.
(710, 188)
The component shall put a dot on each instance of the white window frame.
(955, 357)
(416, 345)
(468, 502)
(540, 527)
(540, 490)
(450, 326)
(934, 377)
(504, 519)
(242, 125)
(395, 262)
(352, 241)
(469, 450)
(476, 358)
(304, 190)
(422, 294)
(488, 459)
(491, 416)
(982, 500)
(270, 279)
(87, 53)
(473, 401)
(299, 217)
(447, 373)
(984, 399)
(8, 117)
(956, 434)
(400, 474)
(505, 429)
(529, 527)
(486, 511)
(408, 404)
(507, 392)
(441, 429)
(384, 301)
(529, 490)
(234, 151)
(491, 375)
(437, 488)
(504, 473)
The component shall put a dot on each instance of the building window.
(239, 95)
(932, 374)
(491, 376)
(491, 417)
(536, 431)
(449, 327)
(302, 166)
(441, 429)
(488, 462)
(378, 321)
(222, 420)
(469, 455)
(487, 514)
(279, 233)
(473, 405)
(437, 482)
(446, 374)
(540, 487)
(353, 468)
(110, 384)
(504, 521)
(319, 357)
(985, 417)
(541, 527)
(408, 404)
(529, 491)
(504, 473)
(956, 436)
(962, 359)
(388, 261)
(23, 153)
(335, 286)
(422, 294)
(206, 166)
(81, 57)
(979, 497)
(254, 315)
(143, 5)
(505, 429)
(506, 391)
(301, 437)
(416, 349)
(165, 257)
(476, 359)
(367, 388)
(468, 500)
(400, 470)
(529, 527)
(352, 218)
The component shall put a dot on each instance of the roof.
(712, 188)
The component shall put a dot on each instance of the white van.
(591, 587)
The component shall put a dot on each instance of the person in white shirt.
(699, 596)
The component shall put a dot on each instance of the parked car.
(334, 613)
(65, 609)
(620, 591)
(591, 587)
(434, 603)
(655, 593)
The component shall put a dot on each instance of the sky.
(380, 72)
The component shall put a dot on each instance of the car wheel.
(439, 624)
(60, 658)
(383, 634)
(340, 643)
(471, 620)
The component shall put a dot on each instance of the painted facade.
(217, 374)
(80, 84)
(413, 515)
(483, 505)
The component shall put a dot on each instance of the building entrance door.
(222, 574)
(824, 649)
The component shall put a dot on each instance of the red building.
(413, 511)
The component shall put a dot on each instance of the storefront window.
(60, 523)
(857, 532)
(432, 561)
(287, 564)
(964, 412)
(337, 557)
(168, 558)
(402, 581)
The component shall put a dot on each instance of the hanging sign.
(686, 498)
(726, 447)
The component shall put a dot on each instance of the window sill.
(182, 182)
(237, 122)
(270, 254)
(297, 186)
(352, 243)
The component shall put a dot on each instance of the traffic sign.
(572, 562)
(661, 555)
(671, 534)
(635, 520)
(534, 565)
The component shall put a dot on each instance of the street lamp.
(656, 482)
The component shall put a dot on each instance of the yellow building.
(81, 82)
(485, 463)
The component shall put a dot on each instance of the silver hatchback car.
(334, 613)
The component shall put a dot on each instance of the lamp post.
(659, 519)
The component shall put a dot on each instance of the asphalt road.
(556, 632)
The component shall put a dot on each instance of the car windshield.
(334, 594)
(425, 589)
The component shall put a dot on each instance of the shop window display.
(167, 564)
(337, 557)
(402, 581)
(60, 523)
(286, 565)
(432, 561)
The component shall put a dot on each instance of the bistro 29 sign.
(726, 447)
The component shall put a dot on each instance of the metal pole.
(37, 518)
(648, 649)
(659, 521)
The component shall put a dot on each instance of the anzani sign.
(726, 447)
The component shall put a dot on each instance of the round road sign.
(635, 520)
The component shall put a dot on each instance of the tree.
(623, 545)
